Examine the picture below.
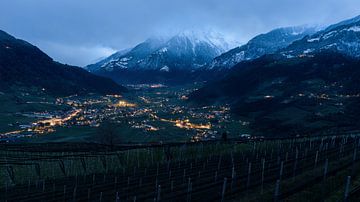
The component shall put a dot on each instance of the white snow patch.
(163, 50)
(239, 56)
(125, 59)
(328, 35)
(329, 46)
(354, 29)
(287, 55)
(165, 69)
(308, 51)
(313, 39)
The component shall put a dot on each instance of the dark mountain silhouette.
(22, 64)
(297, 95)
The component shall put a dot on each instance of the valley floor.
(148, 113)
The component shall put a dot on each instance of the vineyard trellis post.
(64, 192)
(117, 198)
(326, 168)
(189, 190)
(316, 158)
(347, 188)
(281, 170)
(158, 194)
(223, 190)
(233, 178)
(277, 191)
(249, 175)
(74, 194)
(89, 193)
(262, 174)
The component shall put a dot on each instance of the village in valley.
(150, 110)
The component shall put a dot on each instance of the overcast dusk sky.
(79, 32)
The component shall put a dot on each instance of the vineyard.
(323, 168)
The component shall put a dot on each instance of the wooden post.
(101, 195)
(277, 191)
(29, 184)
(262, 174)
(233, 178)
(74, 194)
(64, 192)
(89, 194)
(347, 188)
(326, 168)
(281, 170)
(223, 190)
(189, 190)
(158, 193)
(248, 177)
(157, 169)
(43, 187)
(219, 164)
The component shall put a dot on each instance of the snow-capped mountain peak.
(185, 50)
(217, 39)
(260, 45)
(343, 37)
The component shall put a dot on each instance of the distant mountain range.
(343, 37)
(260, 45)
(190, 56)
(312, 85)
(22, 64)
(165, 59)
(187, 50)
(185, 57)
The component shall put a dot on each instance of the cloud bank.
(79, 32)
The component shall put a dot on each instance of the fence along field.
(298, 169)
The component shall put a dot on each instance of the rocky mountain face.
(171, 59)
(343, 37)
(22, 64)
(260, 45)
(185, 51)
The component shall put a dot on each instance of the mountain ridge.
(185, 50)
(22, 64)
(342, 37)
(260, 45)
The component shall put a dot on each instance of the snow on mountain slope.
(187, 50)
(343, 37)
(261, 45)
